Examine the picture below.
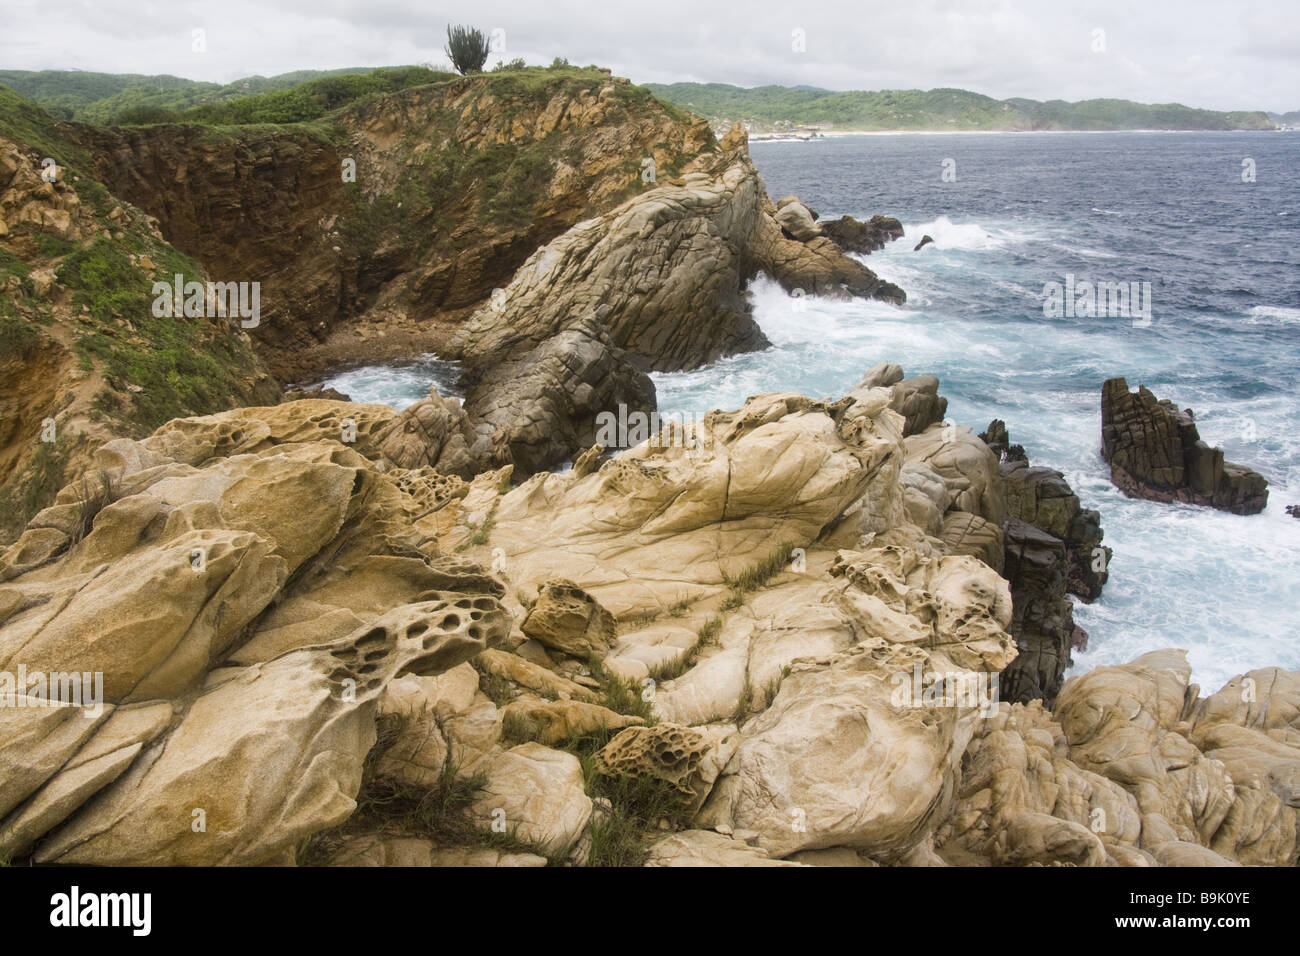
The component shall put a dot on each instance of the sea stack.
(1155, 452)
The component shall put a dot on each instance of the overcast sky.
(1229, 55)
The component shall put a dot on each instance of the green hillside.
(770, 107)
(303, 94)
(127, 97)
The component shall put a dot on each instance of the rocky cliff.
(395, 214)
(397, 209)
(801, 632)
(83, 356)
(386, 223)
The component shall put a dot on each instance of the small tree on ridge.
(467, 48)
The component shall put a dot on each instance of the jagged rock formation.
(799, 593)
(1132, 768)
(799, 222)
(916, 399)
(1035, 564)
(657, 283)
(1155, 452)
(663, 274)
(1043, 498)
(579, 272)
(1052, 548)
(796, 220)
(863, 238)
(245, 597)
(532, 409)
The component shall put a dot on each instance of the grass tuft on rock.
(386, 808)
(638, 808)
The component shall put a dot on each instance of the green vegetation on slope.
(172, 366)
(297, 104)
(941, 109)
(433, 186)
(105, 97)
(300, 96)
(152, 369)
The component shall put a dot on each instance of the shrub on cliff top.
(467, 48)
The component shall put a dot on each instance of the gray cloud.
(1216, 55)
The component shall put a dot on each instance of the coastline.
(831, 134)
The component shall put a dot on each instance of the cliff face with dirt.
(455, 184)
(82, 356)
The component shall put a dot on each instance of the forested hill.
(129, 97)
(108, 97)
(768, 107)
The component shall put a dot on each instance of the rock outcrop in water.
(862, 237)
(378, 233)
(456, 185)
(1155, 452)
(784, 587)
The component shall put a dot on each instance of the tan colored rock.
(837, 856)
(444, 724)
(966, 464)
(795, 219)
(539, 679)
(567, 619)
(665, 752)
(247, 569)
(266, 755)
(457, 856)
(646, 531)
(1178, 853)
(706, 848)
(537, 795)
(560, 720)
(373, 850)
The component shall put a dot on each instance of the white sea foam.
(1225, 587)
(397, 385)
(1275, 313)
(950, 235)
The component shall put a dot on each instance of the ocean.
(1011, 213)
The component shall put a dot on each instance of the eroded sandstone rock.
(567, 619)
(246, 595)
